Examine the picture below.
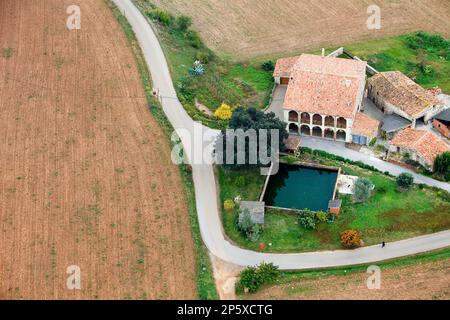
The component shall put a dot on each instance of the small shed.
(255, 208)
(334, 206)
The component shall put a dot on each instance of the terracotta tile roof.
(424, 143)
(402, 92)
(284, 66)
(325, 85)
(365, 125)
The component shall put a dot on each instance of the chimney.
(323, 52)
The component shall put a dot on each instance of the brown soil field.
(245, 29)
(85, 172)
(424, 281)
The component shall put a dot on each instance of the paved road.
(205, 184)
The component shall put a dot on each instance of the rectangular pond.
(300, 187)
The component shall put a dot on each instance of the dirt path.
(255, 28)
(420, 281)
(85, 172)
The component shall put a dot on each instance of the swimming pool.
(299, 187)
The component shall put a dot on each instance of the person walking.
(383, 244)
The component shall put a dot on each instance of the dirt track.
(85, 172)
(255, 28)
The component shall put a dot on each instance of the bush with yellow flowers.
(224, 112)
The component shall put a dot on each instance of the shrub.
(202, 56)
(405, 180)
(252, 278)
(249, 229)
(373, 142)
(229, 205)
(331, 217)
(249, 279)
(224, 112)
(268, 65)
(183, 23)
(351, 239)
(321, 216)
(307, 219)
(362, 189)
(194, 39)
(160, 16)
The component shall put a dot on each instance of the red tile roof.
(325, 85)
(402, 92)
(424, 143)
(284, 66)
(365, 125)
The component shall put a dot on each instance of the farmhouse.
(441, 123)
(323, 97)
(422, 146)
(397, 95)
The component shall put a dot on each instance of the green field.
(423, 57)
(389, 214)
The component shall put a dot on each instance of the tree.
(362, 189)
(405, 180)
(268, 65)
(307, 219)
(351, 239)
(252, 122)
(442, 165)
(183, 23)
(224, 112)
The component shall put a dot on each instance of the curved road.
(205, 184)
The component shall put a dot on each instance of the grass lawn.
(223, 81)
(389, 215)
(394, 53)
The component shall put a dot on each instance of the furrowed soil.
(86, 177)
(419, 281)
(244, 29)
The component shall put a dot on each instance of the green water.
(296, 187)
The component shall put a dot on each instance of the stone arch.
(341, 135)
(305, 118)
(293, 128)
(342, 123)
(317, 119)
(305, 130)
(329, 121)
(293, 116)
(329, 133)
(317, 132)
